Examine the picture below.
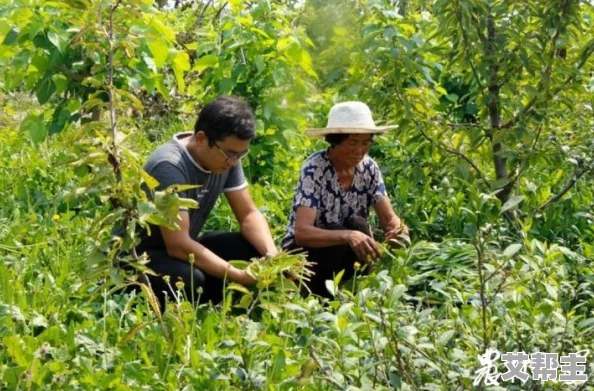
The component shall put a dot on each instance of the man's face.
(226, 153)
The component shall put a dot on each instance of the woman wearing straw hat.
(336, 189)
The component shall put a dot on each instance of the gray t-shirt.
(172, 164)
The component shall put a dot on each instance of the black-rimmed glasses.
(231, 158)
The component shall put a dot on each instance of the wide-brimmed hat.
(349, 118)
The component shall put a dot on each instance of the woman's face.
(352, 150)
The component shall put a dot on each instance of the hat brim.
(318, 132)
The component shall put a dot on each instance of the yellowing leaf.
(151, 182)
(181, 64)
(160, 50)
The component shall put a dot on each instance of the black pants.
(329, 261)
(227, 245)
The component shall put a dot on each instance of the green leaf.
(452, 98)
(445, 337)
(145, 210)
(61, 82)
(204, 62)
(35, 126)
(512, 249)
(238, 287)
(188, 203)
(168, 205)
(181, 64)
(59, 120)
(10, 38)
(512, 202)
(45, 89)
(271, 307)
(500, 183)
(279, 366)
(160, 85)
(160, 50)
(60, 41)
(239, 264)
(552, 291)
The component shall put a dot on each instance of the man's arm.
(253, 224)
(180, 245)
(390, 222)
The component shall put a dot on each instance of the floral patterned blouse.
(319, 188)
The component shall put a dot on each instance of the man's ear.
(201, 138)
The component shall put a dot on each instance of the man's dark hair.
(335, 138)
(226, 116)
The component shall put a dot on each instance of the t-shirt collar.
(177, 138)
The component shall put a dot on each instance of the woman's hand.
(364, 246)
(399, 230)
(398, 237)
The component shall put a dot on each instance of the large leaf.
(45, 89)
(59, 120)
(181, 64)
(10, 38)
(35, 126)
(160, 50)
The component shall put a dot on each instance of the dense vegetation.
(491, 168)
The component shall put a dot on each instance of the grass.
(60, 329)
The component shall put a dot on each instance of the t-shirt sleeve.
(236, 179)
(308, 189)
(377, 188)
(167, 174)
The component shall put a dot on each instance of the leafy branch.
(577, 174)
(443, 146)
(528, 108)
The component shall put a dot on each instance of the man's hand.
(244, 278)
(269, 255)
(364, 246)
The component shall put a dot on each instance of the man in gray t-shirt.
(211, 158)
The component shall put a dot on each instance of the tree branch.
(578, 173)
(444, 147)
(113, 156)
(586, 53)
(202, 13)
(71, 74)
(452, 151)
(499, 162)
(219, 12)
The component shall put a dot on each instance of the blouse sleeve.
(308, 189)
(377, 188)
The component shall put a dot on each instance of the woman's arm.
(308, 235)
(390, 222)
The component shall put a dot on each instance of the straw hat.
(349, 118)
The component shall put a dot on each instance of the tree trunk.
(499, 161)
